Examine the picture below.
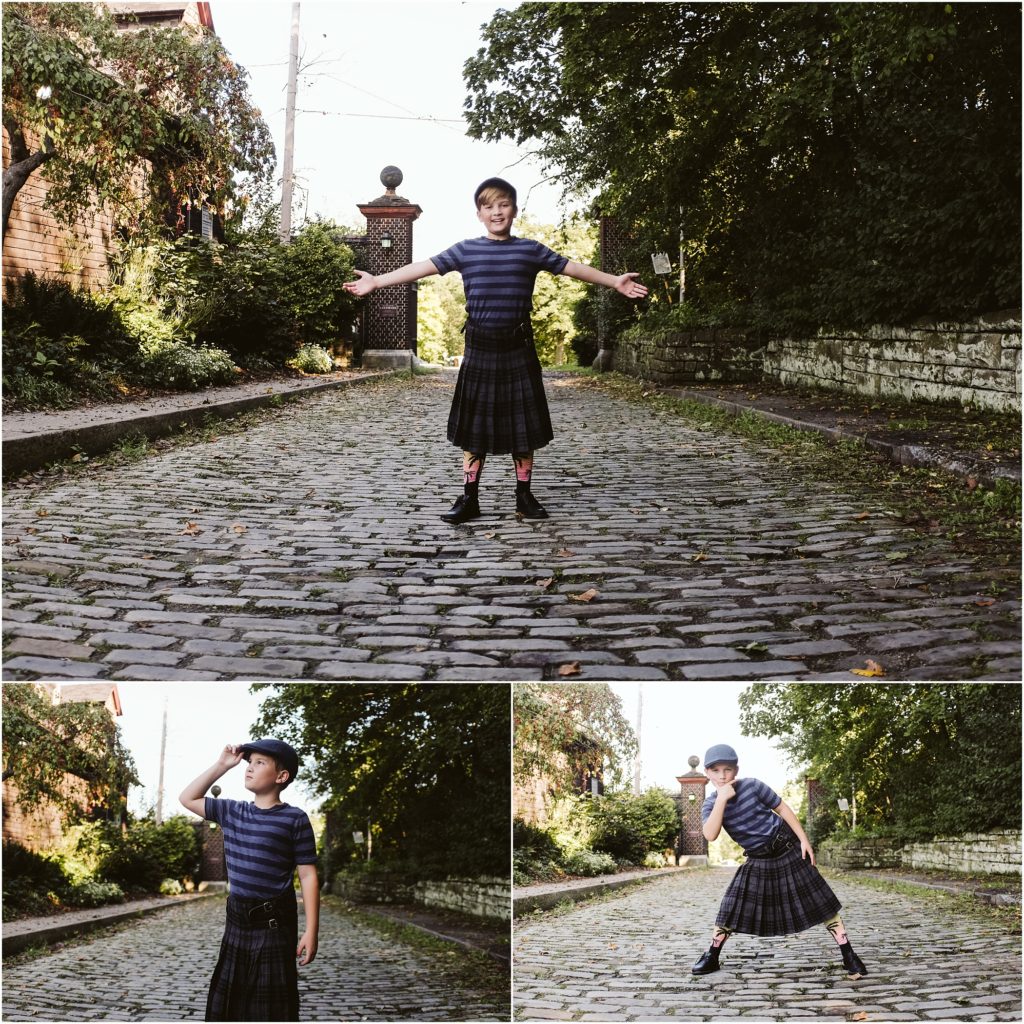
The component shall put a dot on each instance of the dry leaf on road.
(587, 595)
(544, 584)
(572, 668)
(871, 668)
(192, 529)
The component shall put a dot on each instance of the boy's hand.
(366, 284)
(806, 851)
(726, 792)
(307, 945)
(229, 756)
(625, 285)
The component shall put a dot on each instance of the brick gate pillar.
(613, 240)
(692, 848)
(390, 331)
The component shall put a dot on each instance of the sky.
(680, 719)
(201, 719)
(397, 65)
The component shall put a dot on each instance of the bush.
(629, 827)
(35, 883)
(535, 855)
(179, 366)
(93, 894)
(171, 887)
(312, 359)
(589, 863)
(148, 854)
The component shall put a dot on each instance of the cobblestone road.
(159, 968)
(310, 547)
(629, 958)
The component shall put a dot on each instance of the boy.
(778, 890)
(499, 405)
(256, 977)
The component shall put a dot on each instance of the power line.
(386, 117)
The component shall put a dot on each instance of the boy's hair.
(281, 768)
(491, 189)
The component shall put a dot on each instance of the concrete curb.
(33, 450)
(502, 958)
(574, 894)
(901, 454)
(15, 941)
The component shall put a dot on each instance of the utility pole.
(160, 784)
(639, 726)
(682, 255)
(289, 132)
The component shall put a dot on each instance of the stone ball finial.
(391, 177)
(693, 760)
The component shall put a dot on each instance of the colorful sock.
(719, 936)
(837, 930)
(472, 467)
(524, 471)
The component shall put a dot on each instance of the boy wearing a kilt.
(264, 841)
(778, 890)
(499, 406)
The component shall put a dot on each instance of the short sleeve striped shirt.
(262, 846)
(498, 276)
(748, 815)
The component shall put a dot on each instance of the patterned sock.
(472, 467)
(837, 930)
(524, 472)
(719, 936)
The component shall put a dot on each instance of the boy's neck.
(264, 801)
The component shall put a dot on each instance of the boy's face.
(262, 774)
(496, 213)
(722, 774)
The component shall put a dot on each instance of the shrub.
(35, 883)
(171, 887)
(147, 854)
(589, 863)
(179, 366)
(535, 855)
(629, 827)
(312, 359)
(93, 894)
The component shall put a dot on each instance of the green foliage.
(440, 314)
(312, 359)
(183, 368)
(629, 827)
(588, 863)
(117, 98)
(44, 742)
(903, 750)
(564, 731)
(427, 765)
(146, 854)
(808, 145)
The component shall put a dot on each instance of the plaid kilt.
(499, 405)
(777, 896)
(256, 977)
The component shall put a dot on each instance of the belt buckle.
(272, 923)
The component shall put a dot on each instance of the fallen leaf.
(984, 602)
(310, 492)
(239, 528)
(862, 515)
(571, 668)
(701, 556)
(147, 556)
(858, 1016)
(31, 529)
(42, 512)
(587, 595)
(871, 668)
(544, 584)
(489, 536)
(972, 483)
(192, 529)
(565, 553)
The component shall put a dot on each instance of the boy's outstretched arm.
(403, 275)
(193, 796)
(624, 284)
(785, 812)
(306, 949)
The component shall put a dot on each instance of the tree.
(427, 764)
(566, 731)
(44, 743)
(441, 312)
(85, 104)
(836, 163)
(913, 753)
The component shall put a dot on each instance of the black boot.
(527, 505)
(466, 507)
(708, 963)
(854, 967)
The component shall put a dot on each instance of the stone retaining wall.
(487, 897)
(976, 363)
(971, 363)
(997, 853)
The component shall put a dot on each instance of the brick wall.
(693, 356)
(971, 363)
(36, 241)
(997, 853)
(36, 828)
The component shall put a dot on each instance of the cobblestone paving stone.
(310, 546)
(629, 958)
(158, 968)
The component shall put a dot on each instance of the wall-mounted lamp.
(692, 797)
(386, 240)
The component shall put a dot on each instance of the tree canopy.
(85, 103)
(427, 764)
(923, 759)
(830, 163)
(44, 742)
(563, 731)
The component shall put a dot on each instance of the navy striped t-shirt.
(748, 815)
(498, 276)
(262, 845)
